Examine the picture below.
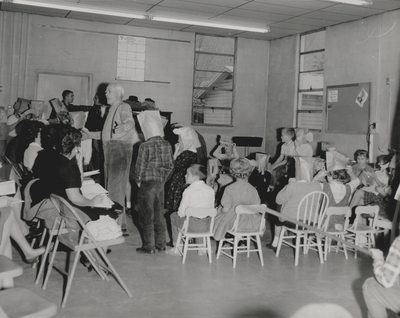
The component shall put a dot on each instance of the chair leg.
(51, 262)
(220, 244)
(93, 261)
(356, 243)
(209, 249)
(185, 249)
(178, 242)
(235, 247)
(259, 247)
(43, 259)
(297, 250)
(248, 245)
(70, 277)
(319, 244)
(327, 247)
(344, 247)
(278, 249)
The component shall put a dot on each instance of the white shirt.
(339, 189)
(196, 195)
(30, 154)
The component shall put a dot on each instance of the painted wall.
(367, 50)
(31, 42)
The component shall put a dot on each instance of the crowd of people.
(131, 152)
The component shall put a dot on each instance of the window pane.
(310, 120)
(213, 44)
(212, 116)
(312, 61)
(203, 98)
(209, 62)
(310, 81)
(213, 81)
(310, 101)
(312, 41)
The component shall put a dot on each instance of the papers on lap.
(90, 190)
(91, 173)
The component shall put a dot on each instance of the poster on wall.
(131, 58)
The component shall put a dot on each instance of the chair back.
(200, 213)
(371, 210)
(70, 214)
(311, 209)
(337, 211)
(250, 209)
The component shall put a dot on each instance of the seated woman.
(59, 173)
(237, 193)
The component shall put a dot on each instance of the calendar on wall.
(131, 58)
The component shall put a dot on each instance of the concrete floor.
(163, 287)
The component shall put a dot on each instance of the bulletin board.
(348, 108)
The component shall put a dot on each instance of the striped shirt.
(387, 272)
(155, 161)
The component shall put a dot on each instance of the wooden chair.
(253, 235)
(8, 268)
(81, 241)
(361, 234)
(185, 236)
(344, 212)
(311, 210)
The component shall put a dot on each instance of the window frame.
(194, 88)
(300, 90)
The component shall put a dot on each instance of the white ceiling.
(284, 17)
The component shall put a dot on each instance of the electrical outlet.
(373, 125)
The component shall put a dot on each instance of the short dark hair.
(66, 92)
(198, 170)
(361, 152)
(32, 129)
(341, 176)
(66, 139)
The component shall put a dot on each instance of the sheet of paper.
(91, 190)
(91, 173)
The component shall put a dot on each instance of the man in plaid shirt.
(154, 166)
(383, 291)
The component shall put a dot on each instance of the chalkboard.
(348, 108)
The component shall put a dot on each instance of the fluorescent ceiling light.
(355, 2)
(127, 14)
(212, 24)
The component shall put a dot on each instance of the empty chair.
(185, 234)
(81, 241)
(343, 213)
(361, 234)
(247, 235)
(311, 211)
(20, 302)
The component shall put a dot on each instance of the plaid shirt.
(155, 161)
(387, 272)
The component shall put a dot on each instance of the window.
(311, 81)
(213, 80)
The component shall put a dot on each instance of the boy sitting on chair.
(196, 195)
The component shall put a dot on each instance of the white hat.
(335, 161)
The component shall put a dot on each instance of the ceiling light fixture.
(126, 14)
(355, 2)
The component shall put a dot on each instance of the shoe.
(170, 244)
(142, 250)
(161, 249)
(269, 245)
(128, 212)
(108, 251)
(172, 252)
(33, 233)
(125, 234)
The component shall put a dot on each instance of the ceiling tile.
(352, 10)
(97, 18)
(118, 5)
(305, 4)
(271, 8)
(292, 26)
(195, 7)
(222, 3)
(308, 21)
(329, 16)
(257, 15)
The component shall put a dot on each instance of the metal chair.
(81, 241)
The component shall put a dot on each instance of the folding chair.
(185, 234)
(81, 241)
(311, 211)
(253, 235)
(345, 213)
(361, 234)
